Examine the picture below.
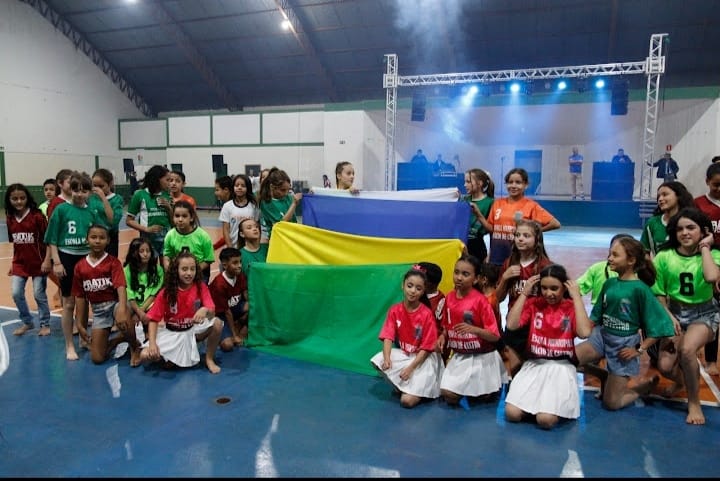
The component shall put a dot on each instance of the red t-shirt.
(482, 316)
(26, 234)
(56, 201)
(712, 210)
(414, 331)
(180, 316)
(526, 272)
(98, 281)
(552, 328)
(227, 296)
(437, 305)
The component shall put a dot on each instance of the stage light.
(514, 87)
(562, 85)
(599, 83)
(473, 90)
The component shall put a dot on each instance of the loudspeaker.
(128, 165)
(418, 107)
(619, 100)
(217, 162)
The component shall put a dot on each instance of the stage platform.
(595, 213)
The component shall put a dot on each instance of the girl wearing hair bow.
(414, 368)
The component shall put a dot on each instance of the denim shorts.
(104, 314)
(706, 313)
(610, 345)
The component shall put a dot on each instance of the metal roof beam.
(194, 56)
(81, 43)
(288, 11)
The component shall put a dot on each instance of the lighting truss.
(653, 66)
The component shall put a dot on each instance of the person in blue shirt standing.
(621, 157)
(575, 161)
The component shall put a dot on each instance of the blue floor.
(286, 418)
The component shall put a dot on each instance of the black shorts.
(68, 261)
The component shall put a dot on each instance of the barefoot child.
(414, 368)
(99, 280)
(546, 386)
(625, 306)
(229, 291)
(66, 238)
(687, 269)
(187, 312)
(144, 276)
(26, 226)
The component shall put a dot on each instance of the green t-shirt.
(68, 228)
(143, 207)
(476, 227)
(626, 306)
(680, 277)
(248, 258)
(116, 203)
(654, 235)
(593, 279)
(273, 211)
(198, 242)
(144, 290)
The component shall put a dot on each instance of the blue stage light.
(599, 83)
(562, 85)
(514, 87)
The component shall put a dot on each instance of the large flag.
(329, 315)
(294, 243)
(403, 219)
(447, 194)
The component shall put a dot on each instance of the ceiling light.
(285, 24)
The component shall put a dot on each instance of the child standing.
(186, 308)
(176, 184)
(625, 306)
(671, 197)
(480, 195)
(527, 258)
(687, 270)
(242, 205)
(66, 237)
(546, 386)
(188, 235)
(414, 368)
(229, 291)
(505, 212)
(26, 226)
(277, 203)
(251, 249)
(223, 193)
(144, 277)
(50, 190)
(345, 176)
(108, 207)
(470, 330)
(99, 281)
(710, 205)
(149, 210)
(64, 193)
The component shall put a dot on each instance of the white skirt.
(425, 379)
(474, 374)
(546, 386)
(180, 347)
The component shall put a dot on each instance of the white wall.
(58, 109)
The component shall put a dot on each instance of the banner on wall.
(333, 317)
(387, 218)
(300, 244)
